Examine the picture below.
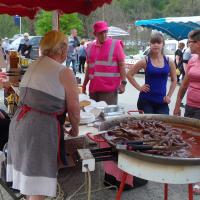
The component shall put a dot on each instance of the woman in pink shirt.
(191, 84)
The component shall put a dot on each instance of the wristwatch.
(124, 82)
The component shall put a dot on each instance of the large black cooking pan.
(193, 123)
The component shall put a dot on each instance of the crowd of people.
(48, 91)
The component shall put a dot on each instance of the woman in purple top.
(153, 97)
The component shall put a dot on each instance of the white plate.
(86, 117)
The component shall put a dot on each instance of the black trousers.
(82, 60)
(4, 130)
(111, 98)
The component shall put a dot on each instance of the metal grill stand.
(158, 172)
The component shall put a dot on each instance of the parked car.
(35, 41)
(129, 61)
(169, 50)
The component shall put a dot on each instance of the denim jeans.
(69, 61)
(152, 108)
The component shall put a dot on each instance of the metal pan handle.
(132, 111)
(89, 135)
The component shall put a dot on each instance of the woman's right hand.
(145, 88)
(177, 111)
(84, 89)
(73, 133)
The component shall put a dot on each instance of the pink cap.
(100, 26)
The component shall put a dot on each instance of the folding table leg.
(190, 191)
(122, 184)
(165, 191)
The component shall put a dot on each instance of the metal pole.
(20, 25)
(190, 192)
(121, 187)
(55, 20)
(165, 191)
(103, 12)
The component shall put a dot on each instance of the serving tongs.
(14, 73)
(140, 145)
(104, 154)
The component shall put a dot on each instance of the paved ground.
(72, 178)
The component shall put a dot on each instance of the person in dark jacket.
(179, 61)
(72, 55)
(82, 56)
(25, 46)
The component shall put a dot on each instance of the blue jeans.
(69, 61)
(152, 108)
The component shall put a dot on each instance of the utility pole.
(103, 12)
(20, 25)
(55, 20)
(192, 8)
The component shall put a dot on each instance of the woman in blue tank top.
(153, 97)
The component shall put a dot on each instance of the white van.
(170, 47)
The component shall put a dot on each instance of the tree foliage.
(67, 22)
(9, 29)
(120, 13)
(181, 8)
(112, 13)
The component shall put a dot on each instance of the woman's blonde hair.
(52, 43)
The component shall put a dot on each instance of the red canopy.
(18, 10)
(29, 8)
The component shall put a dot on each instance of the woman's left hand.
(121, 89)
(167, 99)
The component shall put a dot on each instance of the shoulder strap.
(146, 59)
(167, 59)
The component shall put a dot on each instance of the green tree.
(112, 13)
(9, 29)
(67, 22)
(144, 9)
(179, 8)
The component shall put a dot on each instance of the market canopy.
(30, 8)
(116, 31)
(176, 27)
(18, 10)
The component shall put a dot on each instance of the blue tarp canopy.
(176, 27)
